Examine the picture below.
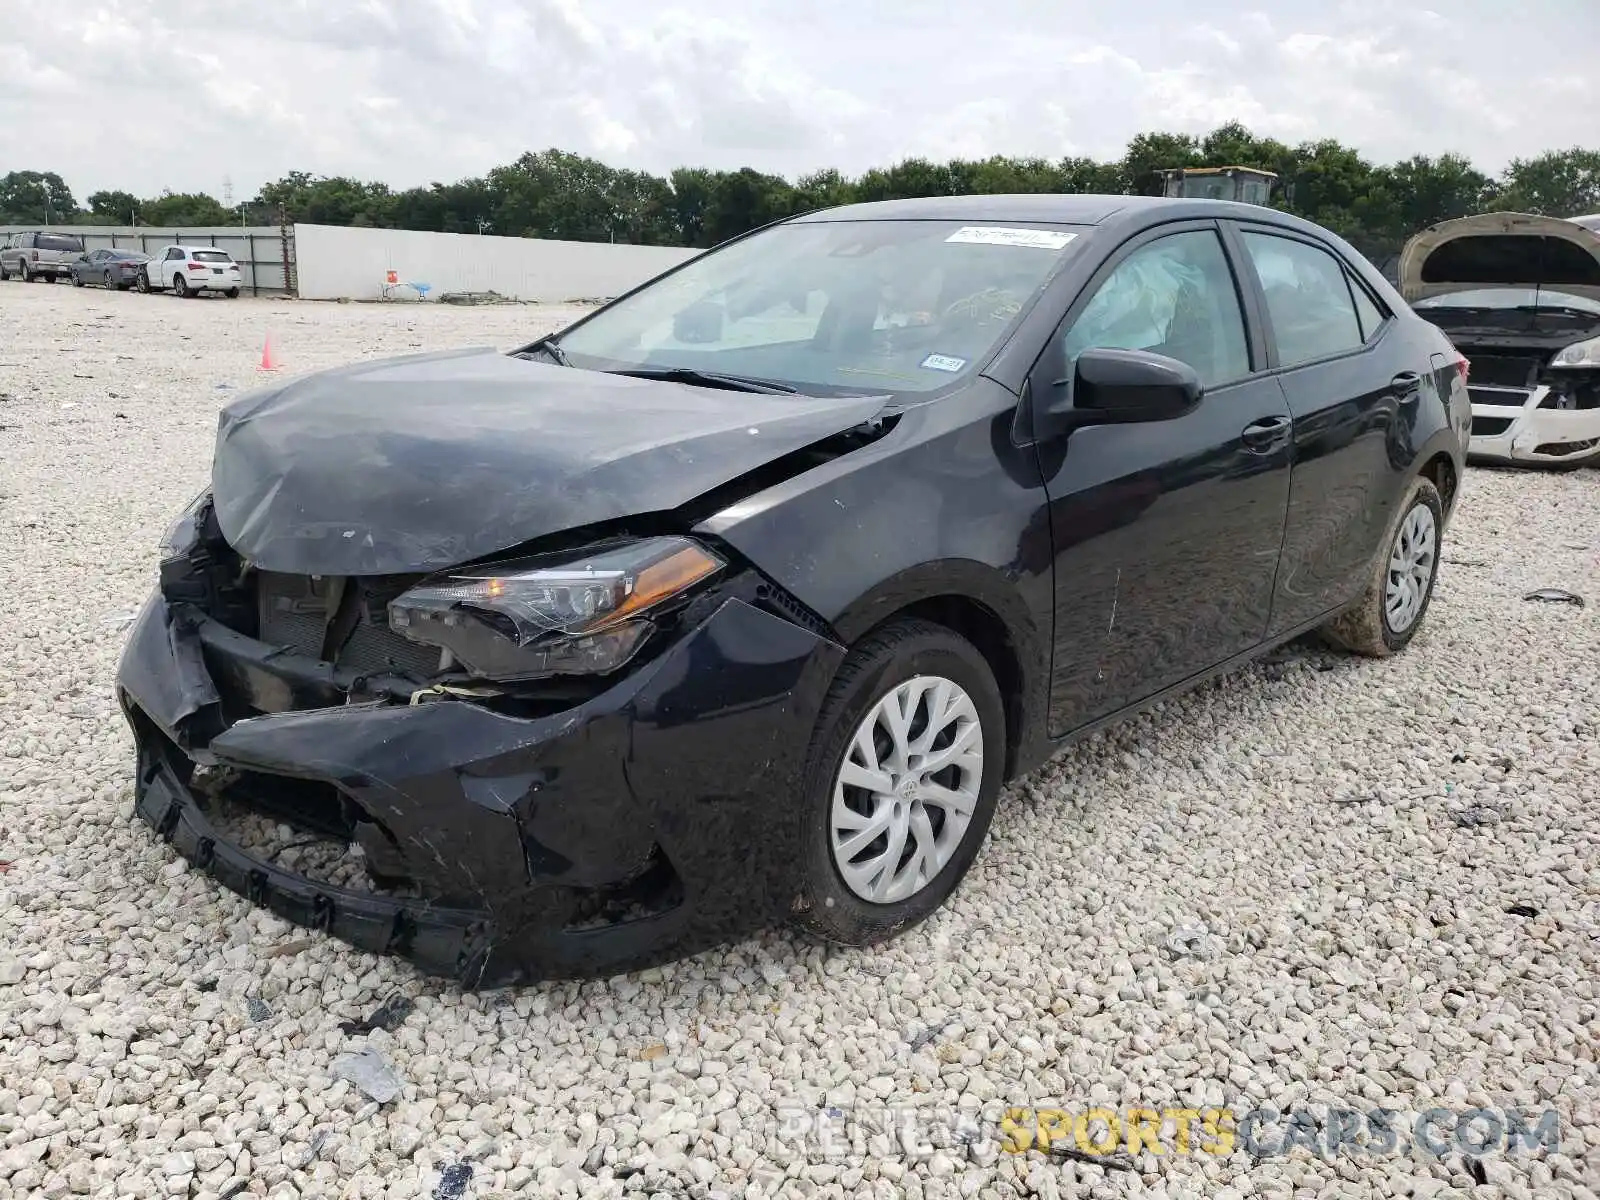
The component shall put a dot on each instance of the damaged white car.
(1519, 296)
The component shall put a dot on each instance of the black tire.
(106, 281)
(232, 293)
(884, 659)
(141, 282)
(1364, 628)
(4, 274)
(180, 285)
(27, 275)
(76, 281)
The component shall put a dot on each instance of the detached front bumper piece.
(1510, 425)
(655, 819)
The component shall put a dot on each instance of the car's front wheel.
(1400, 588)
(901, 781)
(77, 280)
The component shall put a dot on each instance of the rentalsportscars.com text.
(1325, 1131)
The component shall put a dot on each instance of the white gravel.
(1288, 888)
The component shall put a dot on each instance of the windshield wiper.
(1562, 309)
(733, 383)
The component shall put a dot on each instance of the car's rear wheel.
(232, 293)
(27, 275)
(181, 286)
(1397, 595)
(107, 282)
(901, 781)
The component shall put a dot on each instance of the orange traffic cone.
(266, 355)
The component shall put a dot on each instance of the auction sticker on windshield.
(1002, 235)
(943, 362)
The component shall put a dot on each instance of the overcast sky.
(179, 94)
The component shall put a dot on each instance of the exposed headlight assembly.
(184, 531)
(1584, 354)
(577, 613)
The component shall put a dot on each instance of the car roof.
(1066, 209)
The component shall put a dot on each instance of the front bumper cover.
(1516, 429)
(507, 824)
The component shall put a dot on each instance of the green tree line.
(557, 194)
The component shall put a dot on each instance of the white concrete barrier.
(337, 263)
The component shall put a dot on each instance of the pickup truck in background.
(190, 270)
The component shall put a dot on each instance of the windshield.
(832, 306)
(1511, 298)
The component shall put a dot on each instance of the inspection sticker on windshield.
(943, 362)
(1001, 235)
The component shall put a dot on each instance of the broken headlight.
(184, 531)
(578, 613)
(1583, 354)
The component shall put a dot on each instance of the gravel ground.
(1289, 888)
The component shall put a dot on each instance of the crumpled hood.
(427, 461)
(1501, 249)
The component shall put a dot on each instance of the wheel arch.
(1441, 469)
(979, 604)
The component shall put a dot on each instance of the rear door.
(1355, 394)
(1166, 534)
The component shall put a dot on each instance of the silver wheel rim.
(1410, 569)
(906, 790)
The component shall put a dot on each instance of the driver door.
(1166, 534)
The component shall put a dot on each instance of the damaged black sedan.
(739, 600)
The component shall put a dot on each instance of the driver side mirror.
(699, 323)
(1120, 387)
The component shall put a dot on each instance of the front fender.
(947, 508)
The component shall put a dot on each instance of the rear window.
(1511, 258)
(216, 256)
(59, 241)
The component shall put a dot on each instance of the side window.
(1175, 296)
(174, 253)
(1308, 299)
(1367, 311)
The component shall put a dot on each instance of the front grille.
(1490, 426)
(1504, 370)
(1503, 397)
(294, 614)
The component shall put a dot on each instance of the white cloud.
(121, 93)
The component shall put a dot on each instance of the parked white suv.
(190, 270)
(39, 254)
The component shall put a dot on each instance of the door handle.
(1407, 384)
(1266, 433)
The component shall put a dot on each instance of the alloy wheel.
(907, 788)
(1411, 567)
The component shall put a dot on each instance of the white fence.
(336, 263)
(264, 253)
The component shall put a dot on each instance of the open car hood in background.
(1501, 250)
